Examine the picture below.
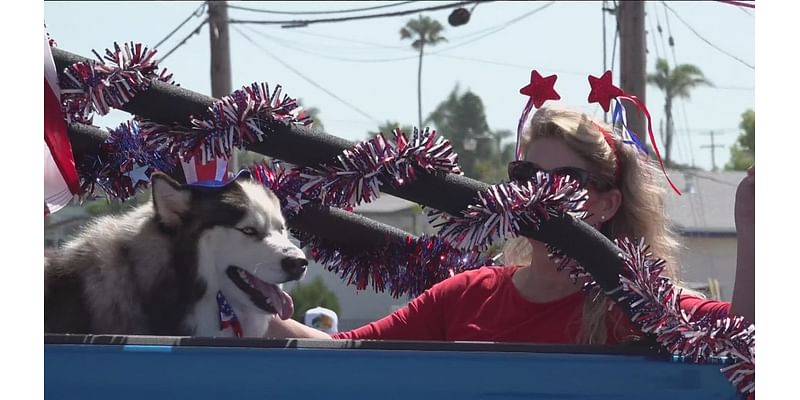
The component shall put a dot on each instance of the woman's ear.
(603, 206)
(608, 203)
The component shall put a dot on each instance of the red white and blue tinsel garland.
(244, 117)
(356, 175)
(407, 268)
(123, 165)
(97, 86)
(503, 208)
(654, 302)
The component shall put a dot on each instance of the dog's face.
(240, 226)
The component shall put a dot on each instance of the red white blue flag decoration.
(539, 90)
(60, 175)
(603, 91)
(228, 318)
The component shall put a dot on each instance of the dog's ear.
(170, 200)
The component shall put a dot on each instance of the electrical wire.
(304, 77)
(303, 23)
(616, 36)
(196, 13)
(259, 10)
(706, 40)
(194, 32)
(495, 30)
(671, 38)
(415, 56)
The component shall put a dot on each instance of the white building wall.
(702, 258)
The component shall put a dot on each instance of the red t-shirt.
(484, 305)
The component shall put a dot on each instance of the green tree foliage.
(424, 31)
(743, 152)
(461, 118)
(102, 206)
(674, 83)
(388, 127)
(313, 294)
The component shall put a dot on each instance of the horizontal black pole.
(451, 193)
(326, 222)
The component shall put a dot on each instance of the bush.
(313, 294)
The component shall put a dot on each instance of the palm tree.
(675, 83)
(425, 32)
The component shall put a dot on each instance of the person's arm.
(422, 319)
(744, 294)
(289, 328)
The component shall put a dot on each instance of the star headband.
(540, 89)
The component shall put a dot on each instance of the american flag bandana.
(227, 318)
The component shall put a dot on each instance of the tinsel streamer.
(93, 86)
(244, 117)
(282, 181)
(654, 302)
(502, 209)
(407, 268)
(356, 175)
(563, 262)
(124, 163)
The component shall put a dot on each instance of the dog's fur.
(157, 269)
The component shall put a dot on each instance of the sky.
(373, 73)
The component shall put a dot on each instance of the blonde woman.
(529, 300)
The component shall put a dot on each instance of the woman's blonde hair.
(640, 215)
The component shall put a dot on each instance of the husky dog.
(158, 269)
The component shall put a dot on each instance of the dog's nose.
(294, 266)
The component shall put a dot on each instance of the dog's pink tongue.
(278, 298)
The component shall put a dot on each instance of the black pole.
(167, 104)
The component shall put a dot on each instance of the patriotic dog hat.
(213, 174)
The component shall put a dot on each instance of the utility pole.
(713, 148)
(633, 60)
(220, 57)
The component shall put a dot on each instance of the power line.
(616, 36)
(307, 79)
(303, 32)
(671, 38)
(706, 40)
(684, 115)
(259, 10)
(485, 32)
(494, 28)
(652, 34)
(196, 13)
(303, 23)
(498, 29)
(300, 49)
(194, 32)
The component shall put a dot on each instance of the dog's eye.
(249, 231)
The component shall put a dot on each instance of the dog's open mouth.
(266, 296)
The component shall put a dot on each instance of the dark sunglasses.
(521, 171)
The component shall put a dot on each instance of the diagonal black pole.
(167, 104)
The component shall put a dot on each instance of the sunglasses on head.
(525, 170)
